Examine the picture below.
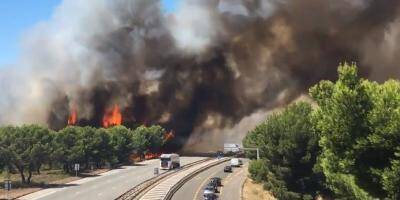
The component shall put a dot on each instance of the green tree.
(95, 146)
(288, 151)
(66, 149)
(26, 147)
(121, 143)
(380, 151)
(359, 125)
(148, 139)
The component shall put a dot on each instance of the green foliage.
(66, 148)
(288, 150)
(27, 147)
(359, 125)
(148, 139)
(121, 143)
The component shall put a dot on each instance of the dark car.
(210, 196)
(216, 181)
(211, 187)
(227, 168)
(220, 154)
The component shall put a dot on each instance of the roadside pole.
(7, 187)
(7, 184)
(76, 168)
(254, 149)
(156, 171)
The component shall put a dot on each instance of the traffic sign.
(76, 167)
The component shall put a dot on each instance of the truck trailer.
(169, 161)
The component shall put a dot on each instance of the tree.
(94, 144)
(358, 121)
(26, 147)
(6, 156)
(148, 139)
(66, 148)
(121, 143)
(288, 151)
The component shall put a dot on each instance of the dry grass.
(254, 191)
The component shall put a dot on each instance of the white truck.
(230, 147)
(235, 162)
(169, 161)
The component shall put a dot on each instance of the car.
(211, 187)
(227, 168)
(240, 162)
(216, 180)
(220, 154)
(210, 196)
(208, 190)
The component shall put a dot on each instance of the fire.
(112, 117)
(73, 116)
(149, 156)
(168, 136)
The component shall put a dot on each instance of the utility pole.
(254, 149)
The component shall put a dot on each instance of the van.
(235, 162)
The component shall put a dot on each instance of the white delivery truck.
(169, 161)
(235, 162)
(231, 148)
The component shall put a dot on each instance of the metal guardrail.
(177, 186)
(138, 189)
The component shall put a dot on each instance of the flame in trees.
(169, 136)
(73, 116)
(149, 156)
(112, 117)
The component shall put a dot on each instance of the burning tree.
(112, 117)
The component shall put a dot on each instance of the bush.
(288, 151)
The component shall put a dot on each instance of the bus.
(169, 161)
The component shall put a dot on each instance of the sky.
(17, 16)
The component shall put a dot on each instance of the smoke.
(212, 67)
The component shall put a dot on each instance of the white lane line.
(203, 183)
(228, 179)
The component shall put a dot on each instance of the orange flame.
(149, 156)
(169, 136)
(73, 116)
(112, 117)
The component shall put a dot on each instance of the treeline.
(346, 147)
(25, 149)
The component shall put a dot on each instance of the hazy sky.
(17, 16)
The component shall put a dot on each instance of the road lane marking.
(228, 179)
(203, 183)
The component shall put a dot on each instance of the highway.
(107, 186)
(232, 182)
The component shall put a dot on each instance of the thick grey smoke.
(211, 66)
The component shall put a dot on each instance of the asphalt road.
(231, 189)
(107, 186)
